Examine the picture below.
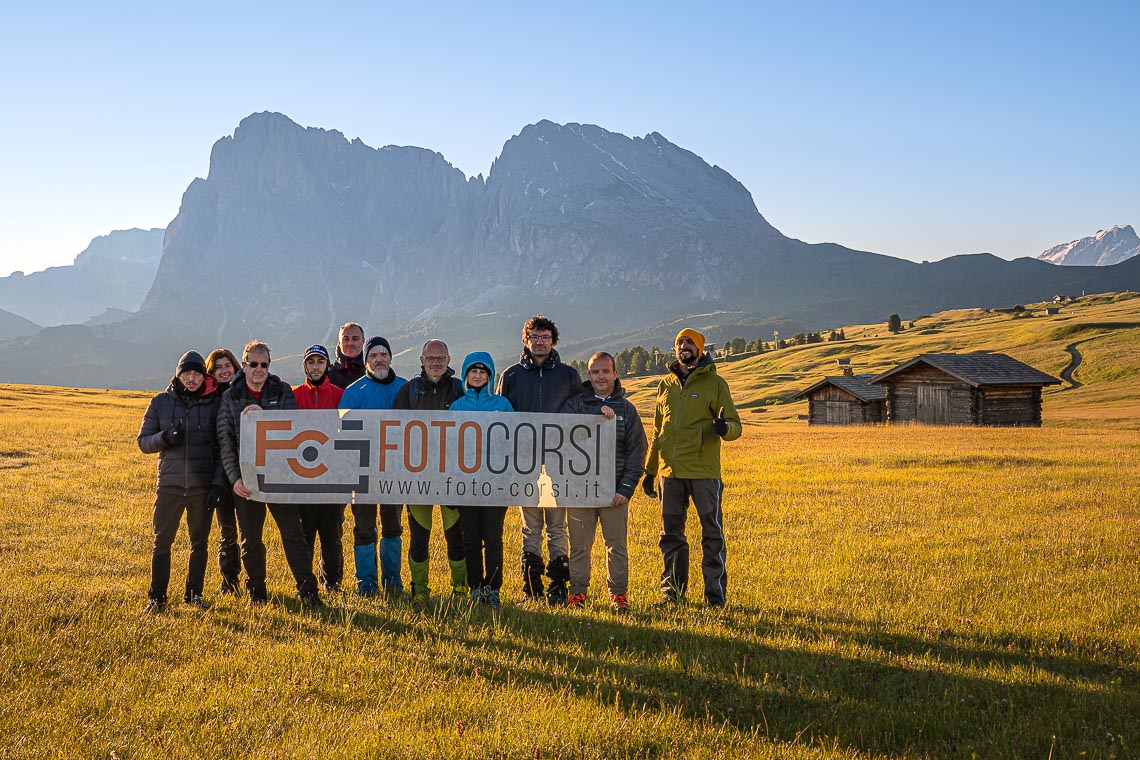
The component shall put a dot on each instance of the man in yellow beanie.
(694, 412)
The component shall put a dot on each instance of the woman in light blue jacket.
(482, 526)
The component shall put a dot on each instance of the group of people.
(195, 428)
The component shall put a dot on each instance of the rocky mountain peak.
(1106, 247)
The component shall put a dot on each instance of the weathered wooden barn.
(845, 400)
(965, 389)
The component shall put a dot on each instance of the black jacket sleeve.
(228, 429)
(150, 433)
(635, 447)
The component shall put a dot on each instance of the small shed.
(845, 400)
(965, 389)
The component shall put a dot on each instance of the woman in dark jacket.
(179, 427)
(222, 365)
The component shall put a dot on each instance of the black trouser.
(419, 528)
(364, 523)
(299, 555)
(169, 504)
(325, 520)
(483, 538)
(229, 553)
(705, 495)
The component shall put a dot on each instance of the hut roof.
(978, 369)
(857, 385)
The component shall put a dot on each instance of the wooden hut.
(845, 400)
(965, 389)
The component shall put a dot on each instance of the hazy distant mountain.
(14, 326)
(296, 230)
(114, 271)
(1105, 248)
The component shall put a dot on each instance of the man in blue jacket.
(376, 390)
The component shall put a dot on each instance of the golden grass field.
(899, 591)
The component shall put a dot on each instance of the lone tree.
(894, 323)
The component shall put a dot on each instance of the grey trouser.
(555, 520)
(583, 524)
(705, 495)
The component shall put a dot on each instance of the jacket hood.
(704, 363)
(445, 378)
(208, 387)
(382, 380)
(345, 362)
(478, 357)
(526, 359)
(617, 395)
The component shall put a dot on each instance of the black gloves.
(649, 485)
(217, 493)
(720, 424)
(174, 435)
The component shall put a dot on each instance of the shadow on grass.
(952, 693)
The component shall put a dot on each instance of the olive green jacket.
(683, 432)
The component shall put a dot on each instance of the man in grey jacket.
(603, 394)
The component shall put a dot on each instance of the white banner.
(415, 457)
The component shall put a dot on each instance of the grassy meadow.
(897, 591)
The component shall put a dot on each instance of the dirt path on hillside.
(1074, 362)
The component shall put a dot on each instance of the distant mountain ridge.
(1105, 248)
(115, 271)
(296, 230)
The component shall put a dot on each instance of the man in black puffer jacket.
(540, 382)
(255, 387)
(179, 427)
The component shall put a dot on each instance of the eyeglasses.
(255, 365)
(540, 338)
(434, 359)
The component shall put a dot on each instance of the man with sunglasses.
(434, 390)
(541, 383)
(251, 390)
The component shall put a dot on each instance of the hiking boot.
(258, 597)
(619, 603)
(154, 607)
(575, 601)
(229, 588)
(311, 600)
(196, 600)
(331, 588)
(492, 598)
(556, 596)
(667, 602)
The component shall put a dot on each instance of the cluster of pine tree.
(653, 361)
(639, 360)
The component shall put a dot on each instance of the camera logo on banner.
(306, 454)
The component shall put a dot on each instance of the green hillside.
(1105, 330)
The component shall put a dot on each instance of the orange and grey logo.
(307, 451)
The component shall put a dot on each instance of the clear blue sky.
(919, 130)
